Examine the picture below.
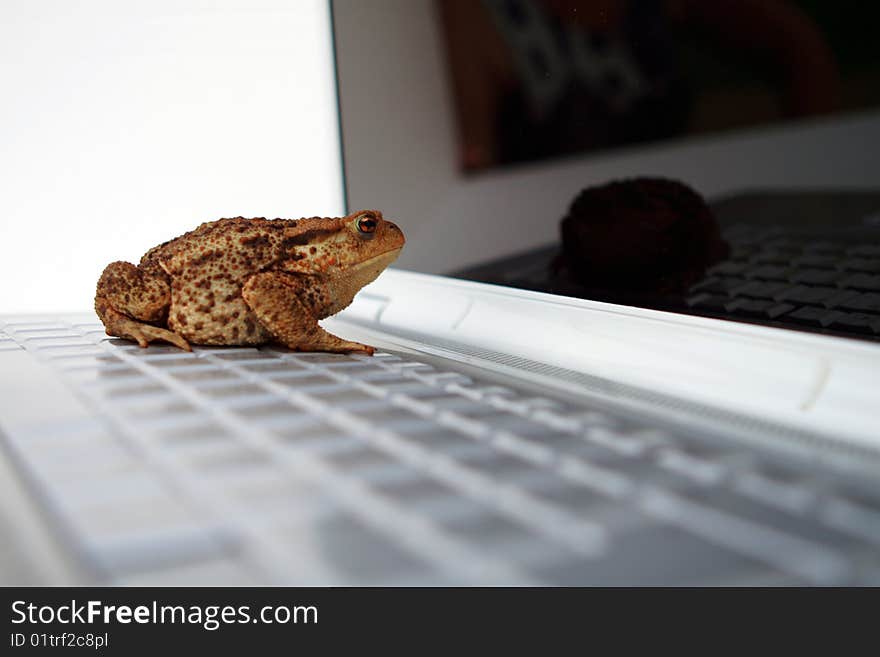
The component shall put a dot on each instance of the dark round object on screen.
(642, 234)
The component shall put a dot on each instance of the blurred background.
(127, 123)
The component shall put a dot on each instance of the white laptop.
(499, 436)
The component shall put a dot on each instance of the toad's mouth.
(380, 261)
(388, 256)
(367, 271)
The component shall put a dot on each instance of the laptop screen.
(477, 125)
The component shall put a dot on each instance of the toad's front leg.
(276, 300)
(127, 298)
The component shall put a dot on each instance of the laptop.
(502, 434)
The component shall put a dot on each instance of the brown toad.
(249, 281)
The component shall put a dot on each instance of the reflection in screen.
(537, 79)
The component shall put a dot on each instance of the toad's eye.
(366, 225)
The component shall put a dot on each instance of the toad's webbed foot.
(124, 327)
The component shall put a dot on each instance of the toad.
(249, 282)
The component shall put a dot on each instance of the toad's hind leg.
(275, 298)
(127, 298)
(124, 327)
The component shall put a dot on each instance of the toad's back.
(231, 234)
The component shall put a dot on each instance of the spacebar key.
(117, 547)
(791, 554)
(137, 553)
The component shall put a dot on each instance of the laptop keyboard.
(795, 279)
(241, 465)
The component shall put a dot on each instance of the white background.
(125, 123)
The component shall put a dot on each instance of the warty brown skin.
(249, 282)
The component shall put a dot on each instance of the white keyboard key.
(352, 399)
(791, 497)
(600, 479)
(268, 409)
(651, 438)
(464, 425)
(528, 450)
(370, 372)
(477, 392)
(379, 356)
(439, 441)
(457, 404)
(615, 441)
(148, 534)
(203, 374)
(81, 461)
(99, 374)
(274, 366)
(66, 351)
(411, 366)
(156, 407)
(123, 487)
(128, 390)
(544, 404)
(138, 551)
(59, 340)
(230, 460)
(558, 421)
(705, 472)
(516, 405)
(443, 379)
(34, 326)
